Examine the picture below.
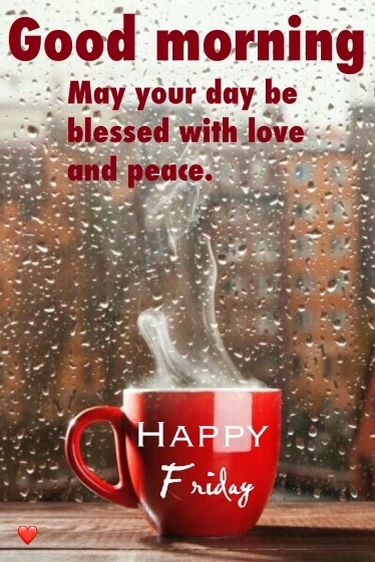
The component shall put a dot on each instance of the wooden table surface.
(100, 532)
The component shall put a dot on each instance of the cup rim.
(202, 389)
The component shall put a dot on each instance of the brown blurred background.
(292, 232)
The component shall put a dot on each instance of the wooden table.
(100, 532)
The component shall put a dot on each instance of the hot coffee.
(197, 461)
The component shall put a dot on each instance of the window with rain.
(262, 277)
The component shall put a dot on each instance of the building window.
(296, 365)
(266, 250)
(338, 173)
(328, 368)
(305, 210)
(339, 320)
(259, 170)
(340, 245)
(232, 252)
(304, 283)
(338, 283)
(235, 286)
(304, 320)
(303, 246)
(265, 324)
(304, 173)
(340, 211)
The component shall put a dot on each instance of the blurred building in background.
(292, 232)
(362, 142)
(249, 251)
(323, 267)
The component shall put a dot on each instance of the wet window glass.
(265, 274)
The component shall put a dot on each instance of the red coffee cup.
(199, 462)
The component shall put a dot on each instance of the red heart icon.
(27, 534)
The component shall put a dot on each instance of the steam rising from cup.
(183, 336)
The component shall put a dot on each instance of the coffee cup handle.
(122, 492)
